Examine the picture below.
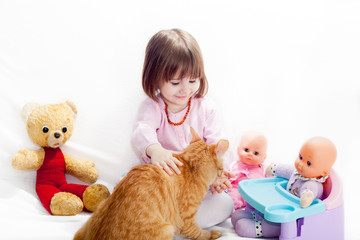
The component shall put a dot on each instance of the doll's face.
(252, 149)
(315, 158)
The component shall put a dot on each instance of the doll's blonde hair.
(170, 52)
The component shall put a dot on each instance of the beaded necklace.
(182, 121)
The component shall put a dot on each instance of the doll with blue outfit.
(312, 168)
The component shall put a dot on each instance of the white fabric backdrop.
(288, 69)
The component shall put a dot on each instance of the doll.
(252, 153)
(312, 168)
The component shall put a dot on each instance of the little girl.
(175, 82)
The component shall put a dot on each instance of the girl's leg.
(214, 209)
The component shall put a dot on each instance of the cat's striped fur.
(148, 204)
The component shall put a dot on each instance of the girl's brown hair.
(168, 52)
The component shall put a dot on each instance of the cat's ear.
(221, 147)
(195, 136)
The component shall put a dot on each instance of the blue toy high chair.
(323, 219)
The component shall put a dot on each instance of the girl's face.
(176, 92)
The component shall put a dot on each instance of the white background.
(287, 68)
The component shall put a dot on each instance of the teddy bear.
(50, 126)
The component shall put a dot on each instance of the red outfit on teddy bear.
(50, 126)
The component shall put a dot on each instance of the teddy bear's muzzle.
(55, 139)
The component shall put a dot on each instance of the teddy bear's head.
(49, 125)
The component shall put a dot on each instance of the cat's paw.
(215, 234)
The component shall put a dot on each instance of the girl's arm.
(213, 132)
(163, 158)
(145, 139)
(222, 182)
(144, 132)
(213, 124)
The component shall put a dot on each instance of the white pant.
(214, 209)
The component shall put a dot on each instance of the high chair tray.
(269, 196)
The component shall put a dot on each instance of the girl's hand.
(222, 182)
(163, 158)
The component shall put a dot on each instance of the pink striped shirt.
(152, 126)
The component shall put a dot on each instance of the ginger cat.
(148, 204)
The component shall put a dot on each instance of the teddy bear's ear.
(72, 106)
(28, 109)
